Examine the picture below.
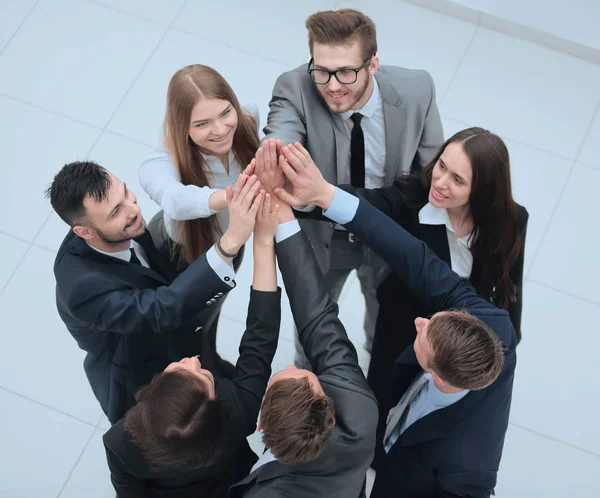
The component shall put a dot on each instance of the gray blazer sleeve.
(432, 136)
(286, 120)
(321, 333)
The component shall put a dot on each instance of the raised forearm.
(217, 201)
(265, 274)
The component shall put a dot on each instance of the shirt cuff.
(343, 207)
(223, 270)
(286, 230)
(306, 208)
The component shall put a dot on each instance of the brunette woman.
(461, 205)
(208, 140)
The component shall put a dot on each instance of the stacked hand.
(243, 201)
(265, 165)
(266, 221)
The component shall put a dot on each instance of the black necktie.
(134, 259)
(357, 152)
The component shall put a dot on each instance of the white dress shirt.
(126, 254)
(461, 258)
(373, 126)
(160, 179)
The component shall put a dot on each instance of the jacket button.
(198, 328)
(227, 279)
(208, 303)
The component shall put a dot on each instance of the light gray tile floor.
(88, 79)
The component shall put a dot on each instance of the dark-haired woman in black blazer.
(461, 205)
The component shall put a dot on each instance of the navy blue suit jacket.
(455, 451)
(131, 321)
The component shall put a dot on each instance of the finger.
(228, 195)
(249, 197)
(272, 163)
(266, 205)
(275, 212)
(247, 186)
(300, 148)
(292, 158)
(288, 170)
(286, 197)
(259, 160)
(278, 146)
(250, 168)
(256, 205)
(241, 182)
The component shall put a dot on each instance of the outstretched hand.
(308, 184)
(266, 220)
(243, 202)
(266, 166)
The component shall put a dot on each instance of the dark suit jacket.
(131, 475)
(132, 321)
(454, 451)
(340, 471)
(391, 201)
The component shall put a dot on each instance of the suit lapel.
(157, 262)
(439, 422)
(270, 470)
(81, 248)
(436, 238)
(394, 116)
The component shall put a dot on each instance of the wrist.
(217, 200)
(264, 240)
(285, 214)
(326, 196)
(230, 244)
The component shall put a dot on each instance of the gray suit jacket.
(340, 471)
(413, 132)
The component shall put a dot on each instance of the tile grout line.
(458, 66)
(85, 447)
(563, 190)
(242, 50)
(19, 27)
(515, 140)
(56, 410)
(99, 3)
(563, 292)
(15, 237)
(556, 440)
(128, 91)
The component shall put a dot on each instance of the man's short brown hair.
(296, 421)
(342, 27)
(466, 352)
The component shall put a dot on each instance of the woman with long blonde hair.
(208, 141)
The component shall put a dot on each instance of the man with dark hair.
(364, 124)
(452, 390)
(118, 297)
(318, 424)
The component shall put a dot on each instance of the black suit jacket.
(130, 473)
(132, 321)
(340, 471)
(454, 451)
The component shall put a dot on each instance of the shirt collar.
(368, 110)
(214, 159)
(442, 399)
(124, 255)
(431, 215)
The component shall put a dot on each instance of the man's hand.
(243, 202)
(266, 221)
(308, 184)
(266, 166)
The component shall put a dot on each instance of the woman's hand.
(243, 201)
(266, 221)
(266, 165)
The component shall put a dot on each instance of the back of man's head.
(73, 183)
(176, 425)
(467, 354)
(296, 421)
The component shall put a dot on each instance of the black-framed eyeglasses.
(344, 76)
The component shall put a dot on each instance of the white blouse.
(160, 179)
(461, 259)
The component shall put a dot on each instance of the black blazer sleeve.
(257, 349)
(515, 309)
(100, 301)
(427, 276)
(320, 332)
(125, 484)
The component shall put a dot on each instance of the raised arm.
(429, 278)
(259, 342)
(159, 178)
(286, 120)
(123, 310)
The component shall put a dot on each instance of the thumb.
(228, 195)
(284, 196)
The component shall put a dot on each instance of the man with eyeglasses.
(363, 124)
